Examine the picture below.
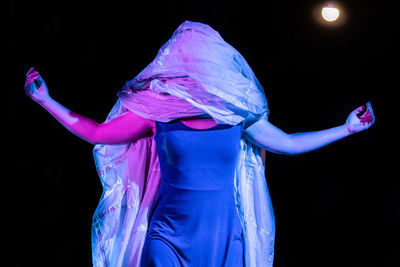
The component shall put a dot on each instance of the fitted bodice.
(187, 154)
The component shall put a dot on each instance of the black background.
(338, 206)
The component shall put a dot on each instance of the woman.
(179, 158)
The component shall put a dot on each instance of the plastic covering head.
(194, 73)
(198, 66)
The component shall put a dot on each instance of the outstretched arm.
(125, 128)
(271, 138)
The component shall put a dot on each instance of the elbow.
(94, 136)
(294, 147)
(287, 146)
(287, 150)
(92, 140)
(290, 152)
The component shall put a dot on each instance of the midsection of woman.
(194, 221)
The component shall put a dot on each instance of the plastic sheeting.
(194, 73)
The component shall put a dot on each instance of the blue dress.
(193, 220)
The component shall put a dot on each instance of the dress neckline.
(205, 129)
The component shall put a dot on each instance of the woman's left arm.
(267, 136)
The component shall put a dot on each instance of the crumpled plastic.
(194, 73)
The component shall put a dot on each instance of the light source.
(330, 13)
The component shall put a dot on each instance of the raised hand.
(360, 119)
(35, 87)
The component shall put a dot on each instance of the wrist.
(347, 130)
(45, 102)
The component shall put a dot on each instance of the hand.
(35, 87)
(360, 119)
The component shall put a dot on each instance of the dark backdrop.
(338, 206)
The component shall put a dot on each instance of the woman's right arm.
(123, 129)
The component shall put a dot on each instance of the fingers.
(361, 110)
(29, 71)
(31, 76)
(368, 117)
(40, 77)
(32, 73)
(371, 111)
(31, 79)
(28, 82)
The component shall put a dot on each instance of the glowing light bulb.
(330, 13)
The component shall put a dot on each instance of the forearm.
(271, 138)
(122, 129)
(79, 125)
(309, 141)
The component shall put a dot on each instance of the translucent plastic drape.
(195, 72)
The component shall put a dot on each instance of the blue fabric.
(194, 220)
